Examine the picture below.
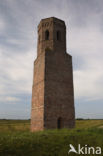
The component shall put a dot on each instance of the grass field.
(17, 140)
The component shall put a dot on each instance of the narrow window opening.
(58, 35)
(59, 123)
(46, 35)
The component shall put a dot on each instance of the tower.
(52, 90)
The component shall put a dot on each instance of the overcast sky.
(18, 43)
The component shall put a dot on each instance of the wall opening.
(59, 123)
(58, 35)
(46, 35)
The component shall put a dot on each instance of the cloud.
(9, 99)
(2, 24)
(18, 43)
(16, 73)
(87, 61)
(87, 84)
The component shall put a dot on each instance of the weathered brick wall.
(52, 92)
(37, 115)
(59, 96)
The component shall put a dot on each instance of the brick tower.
(52, 91)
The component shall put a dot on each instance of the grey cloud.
(18, 38)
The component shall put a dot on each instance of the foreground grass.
(17, 140)
(14, 125)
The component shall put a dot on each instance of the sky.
(18, 50)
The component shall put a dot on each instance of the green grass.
(17, 140)
(14, 125)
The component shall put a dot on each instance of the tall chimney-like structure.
(52, 90)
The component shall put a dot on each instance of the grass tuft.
(17, 140)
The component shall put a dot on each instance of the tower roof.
(54, 19)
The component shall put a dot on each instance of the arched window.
(58, 35)
(46, 35)
(59, 123)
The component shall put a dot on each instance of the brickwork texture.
(52, 90)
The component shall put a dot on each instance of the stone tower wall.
(37, 115)
(59, 96)
(52, 92)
